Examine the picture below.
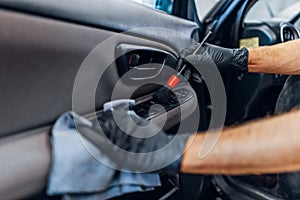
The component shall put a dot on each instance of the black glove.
(222, 57)
(136, 152)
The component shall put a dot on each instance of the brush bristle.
(163, 95)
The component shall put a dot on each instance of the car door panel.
(25, 162)
(40, 57)
(39, 68)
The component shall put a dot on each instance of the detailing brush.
(165, 93)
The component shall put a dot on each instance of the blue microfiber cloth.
(76, 174)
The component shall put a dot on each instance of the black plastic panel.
(177, 98)
(133, 56)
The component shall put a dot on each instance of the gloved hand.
(132, 144)
(222, 57)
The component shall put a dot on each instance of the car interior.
(44, 43)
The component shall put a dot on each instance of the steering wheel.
(288, 32)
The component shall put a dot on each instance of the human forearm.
(267, 146)
(278, 59)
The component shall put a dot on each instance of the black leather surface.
(120, 15)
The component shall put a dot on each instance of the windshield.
(163, 5)
(263, 9)
(272, 9)
(204, 6)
